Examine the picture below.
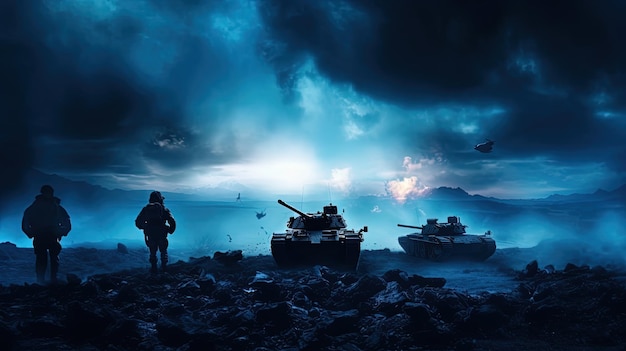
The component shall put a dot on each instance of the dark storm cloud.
(399, 50)
(16, 61)
(74, 99)
(82, 108)
(99, 105)
(405, 49)
(579, 40)
(543, 62)
(157, 88)
(546, 125)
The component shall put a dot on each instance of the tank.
(317, 238)
(447, 241)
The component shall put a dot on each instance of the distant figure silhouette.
(156, 221)
(46, 222)
(238, 197)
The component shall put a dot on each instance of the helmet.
(47, 189)
(156, 196)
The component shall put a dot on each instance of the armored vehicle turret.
(447, 241)
(317, 238)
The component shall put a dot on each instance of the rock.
(301, 300)
(262, 278)
(373, 332)
(171, 334)
(7, 335)
(532, 268)
(390, 300)
(340, 322)
(189, 287)
(486, 317)
(123, 331)
(419, 312)
(205, 305)
(600, 272)
(85, 321)
(127, 294)
(314, 312)
(276, 313)
(545, 313)
(268, 292)
(7, 245)
(223, 291)
(73, 279)
(229, 257)
(265, 288)
(503, 302)
(364, 288)
(327, 274)
(173, 309)
(396, 275)
(465, 345)
(542, 292)
(151, 303)
(426, 282)
(43, 328)
(447, 303)
(121, 248)
(206, 284)
(525, 290)
(245, 318)
(203, 342)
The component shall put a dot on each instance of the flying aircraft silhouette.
(485, 147)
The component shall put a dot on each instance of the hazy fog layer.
(559, 232)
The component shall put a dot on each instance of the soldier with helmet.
(46, 222)
(157, 222)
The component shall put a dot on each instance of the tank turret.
(293, 208)
(440, 241)
(317, 238)
(410, 226)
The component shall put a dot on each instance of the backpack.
(43, 216)
(154, 214)
(48, 215)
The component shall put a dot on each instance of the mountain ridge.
(86, 192)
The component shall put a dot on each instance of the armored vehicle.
(447, 241)
(317, 238)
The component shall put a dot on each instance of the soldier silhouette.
(157, 222)
(46, 222)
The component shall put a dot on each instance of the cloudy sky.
(353, 96)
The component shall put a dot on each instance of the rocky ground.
(244, 303)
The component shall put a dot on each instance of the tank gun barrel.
(293, 209)
(410, 226)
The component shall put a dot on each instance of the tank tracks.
(434, 249)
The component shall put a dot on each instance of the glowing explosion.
(409, 187)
